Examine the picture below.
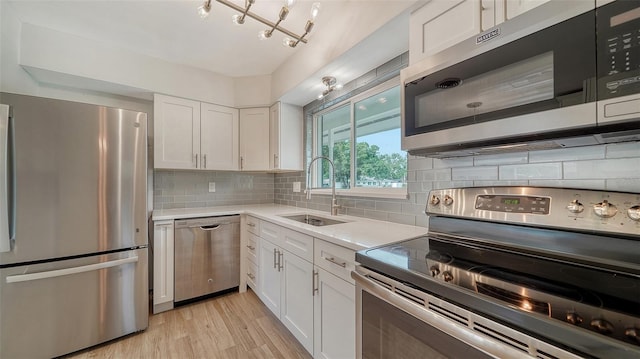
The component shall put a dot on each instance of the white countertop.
(356, 233)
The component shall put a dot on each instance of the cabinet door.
(176, 132)
(297, 299)
(254, 139)
(219, 135)
(440, 24)
(269, 276)
(493, 13)
(334, 318)
(162, 266)
(286, 137)
(517, 7)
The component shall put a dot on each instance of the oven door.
(397, 321)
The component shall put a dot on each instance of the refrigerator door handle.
(67, 271)
(5, 203)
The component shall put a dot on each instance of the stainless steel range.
(506, 272)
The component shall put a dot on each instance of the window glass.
(334, 139)
(380, 163)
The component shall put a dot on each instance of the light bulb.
(338, 86)
(203, 10)
(237, 19)
(315, 9)
(264, 34)
(288, 42)
(289, 3)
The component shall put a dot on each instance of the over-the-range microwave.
(564, 74)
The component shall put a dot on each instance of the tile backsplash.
(184, 189)
(614, 167)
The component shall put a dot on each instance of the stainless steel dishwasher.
(207, 256)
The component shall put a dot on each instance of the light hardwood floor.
(235, 325)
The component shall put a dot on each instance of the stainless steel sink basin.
(313, 220)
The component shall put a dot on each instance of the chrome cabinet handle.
(5, 192)
(241, 162)
(196, 160)
(253, 277)
(333, 260)
(210, 228)
(314, 282)
(280, 256)
(275, 160)
(251, 247)
(275, 251)
(251, 224)
(204, 157)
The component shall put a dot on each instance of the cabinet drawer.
(252, 276)
(335, 259)
(271, 232)
(252, 248)
(253, 225)
(297, 243)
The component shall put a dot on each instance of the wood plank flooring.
(234, 325)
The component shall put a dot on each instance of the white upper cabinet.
(176, 132)
(440, 24)
(285, 137)
(517, 7)
(193, 135)
(254, 139)
(219, 136)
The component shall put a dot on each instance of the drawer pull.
(251, 247)
(333, 260)
(251, 224)
(253, 277)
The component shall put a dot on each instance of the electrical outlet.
(212, 186)
(296, 186)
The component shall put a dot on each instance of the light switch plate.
(212, 186)
(296, 186)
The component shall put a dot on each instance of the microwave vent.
(448, 83)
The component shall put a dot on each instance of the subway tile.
(420, 163)
(452, 184)
(584, 184)
(382, 216)
(422, 221)
(443, 174)
(623, 185)
(358, 212)
(453, 162)
(501, 159)
(531, 171)
(411, 208)
(475, 173)
(567, 154)
(500, 183)
(620, 150)
(365, 204)
(388, 206)
(402, 218)
(603, 169)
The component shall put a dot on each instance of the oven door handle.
(403, 301)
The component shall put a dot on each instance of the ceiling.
(172, 30)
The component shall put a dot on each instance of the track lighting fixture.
(292, 39)
(331, 84)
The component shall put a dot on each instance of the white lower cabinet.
(286, 284)
(162, 265)
(334, 317)
(306, 283)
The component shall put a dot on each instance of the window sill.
(363, 192)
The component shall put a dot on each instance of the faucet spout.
(334, 202)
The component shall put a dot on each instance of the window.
(362, 138)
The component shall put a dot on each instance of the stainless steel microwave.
(566, 73)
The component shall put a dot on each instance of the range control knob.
(602, 326)
(434, 271)
(447, 276)
(634, 212)
(435, 200)
(632, 333)
(574, 318)
(575, 206)
(448, 200)
(605, 209)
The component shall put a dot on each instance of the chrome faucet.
(334, 203)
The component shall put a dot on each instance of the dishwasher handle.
(210, 227)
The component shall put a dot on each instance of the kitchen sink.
(313, 220)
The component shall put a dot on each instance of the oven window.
(388, 332)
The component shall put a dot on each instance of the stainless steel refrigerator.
(73, 226)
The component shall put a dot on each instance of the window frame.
(401, 193)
